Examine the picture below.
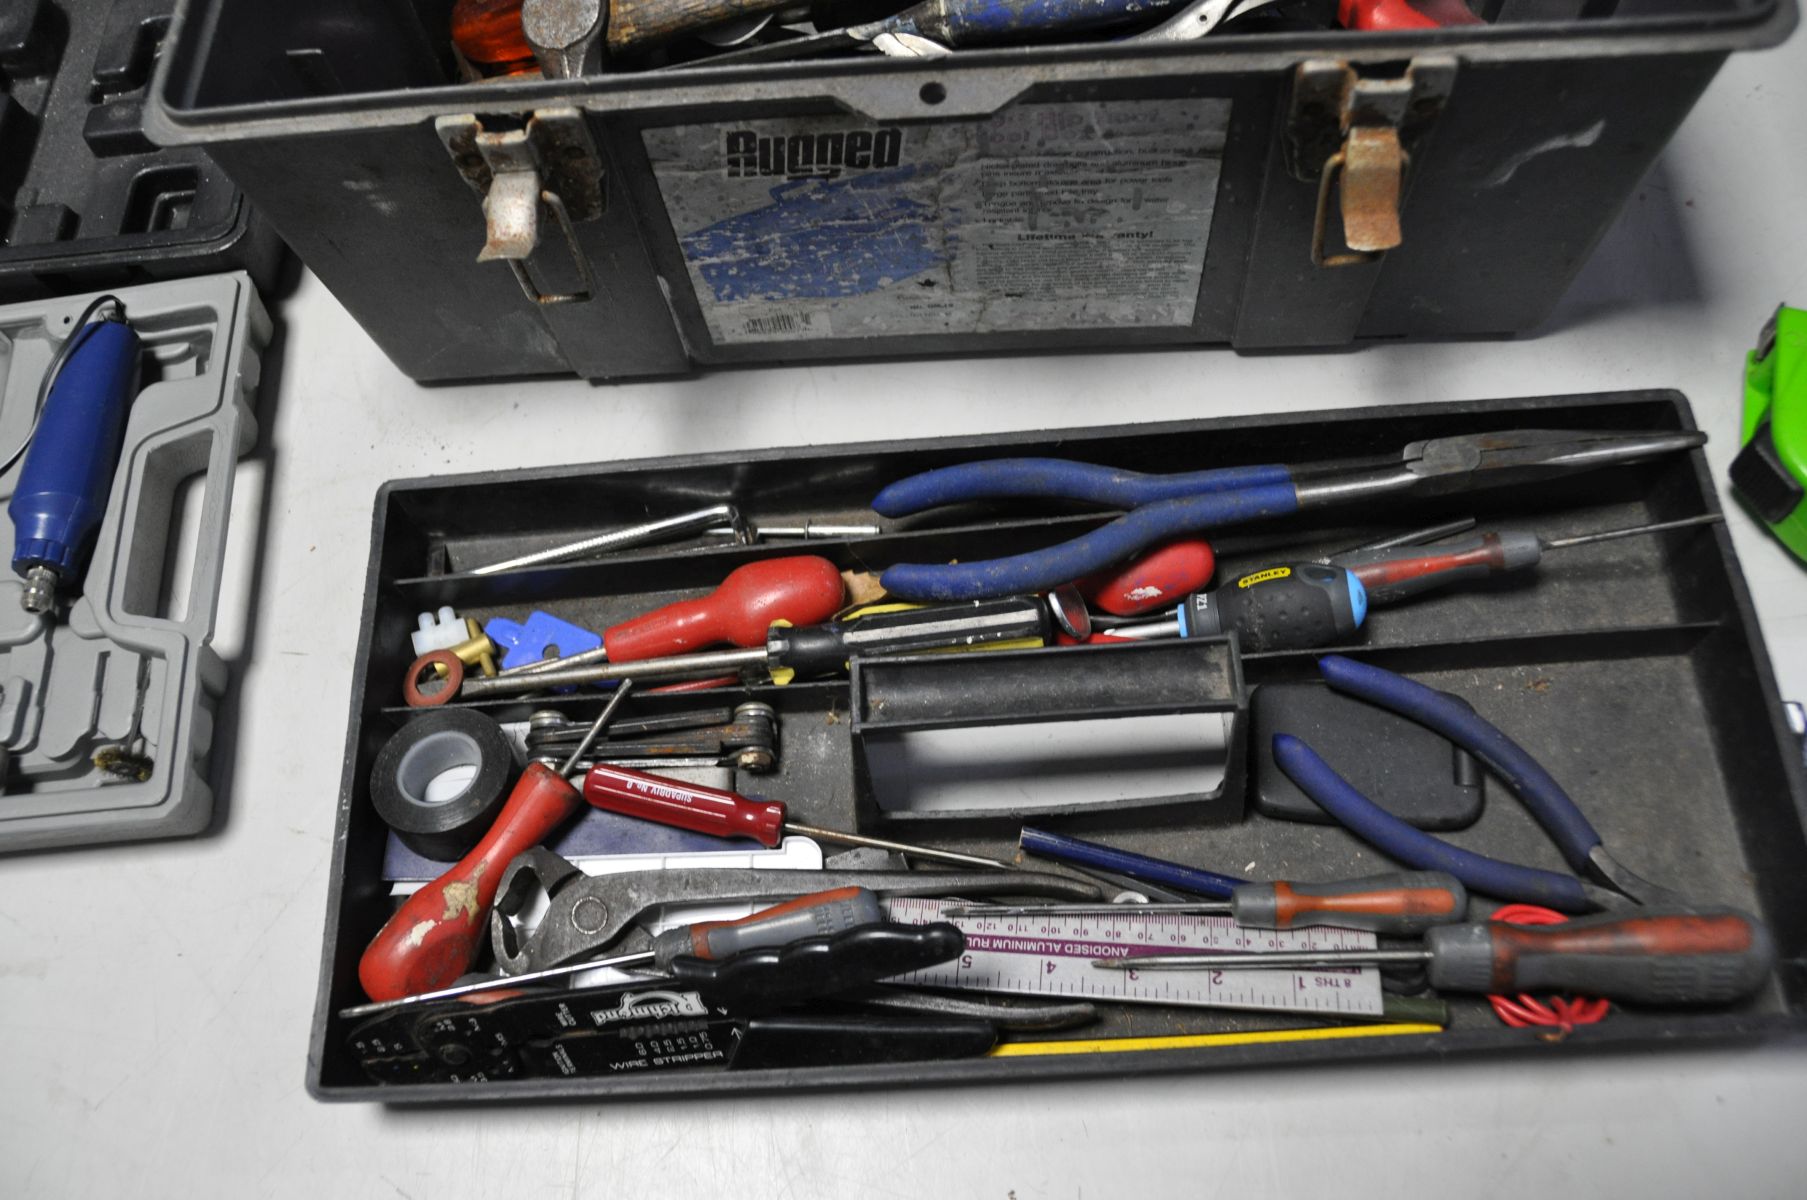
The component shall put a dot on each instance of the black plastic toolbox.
(1089, 196)
(1633, 669)
(86, 200)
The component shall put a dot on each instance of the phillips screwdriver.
(1400, 903)
(819, 915)
(703, 809)
(433, 937)
(790, 652)
(803, 590)
(1405, 571)
(1285, 607)
(1660, 956)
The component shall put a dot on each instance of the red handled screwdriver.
(1660, 956)
(1405, 571)
(820, 914)
(704, 809)
(1400, 903)
(433, 937)
(1160, 579)
(804, 590)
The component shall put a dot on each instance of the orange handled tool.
(1158, 580)
(803, 590)
(433, 938)
(488, 34)
(1669, 957)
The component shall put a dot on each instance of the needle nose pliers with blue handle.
(1164, 507)
(1579, 842)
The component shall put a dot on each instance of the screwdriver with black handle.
(820, 914)
(1296, 606)
(1399, 904)
(1664, 957)
(808, 651)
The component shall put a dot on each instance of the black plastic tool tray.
(87, 201)
(1633, 669)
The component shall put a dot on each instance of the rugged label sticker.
(1047, 216)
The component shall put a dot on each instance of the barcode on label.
(781, 324)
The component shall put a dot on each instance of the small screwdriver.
(1401, 903)
(818, 915)
(1405, 571)
(802, 589)
(1660, 956)
(433, 937)
(815, 650)
(1285, 607)
(703, 809)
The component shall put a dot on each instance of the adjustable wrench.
(589, 912)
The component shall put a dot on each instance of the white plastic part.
(441, 634)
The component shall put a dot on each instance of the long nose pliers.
(1164, 507)
(1610, 885)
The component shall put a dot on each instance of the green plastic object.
(1769, 476)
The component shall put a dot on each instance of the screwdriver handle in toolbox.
(826, 649)
(820, 966)
(433, 938)
(1400, 903)
(684, 805)
(1405, 571)
(1158, 579)
(803, 589)
(1291, 606)
(820, 915)
(1658, 957)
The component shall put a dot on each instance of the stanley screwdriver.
(703, 809)
(792, 652)
(1660, 956)
(1402, 904)
(819, 915)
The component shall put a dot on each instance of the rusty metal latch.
(550, 164)
(1353, 135)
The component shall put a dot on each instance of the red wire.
(1560, 1012)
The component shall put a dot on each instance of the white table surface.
(155, 999)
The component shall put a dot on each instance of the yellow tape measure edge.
(1190, 1041)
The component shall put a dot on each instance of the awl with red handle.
(704, 809)
(433, 938)
(1399, 904)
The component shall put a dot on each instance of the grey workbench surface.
(155, 999)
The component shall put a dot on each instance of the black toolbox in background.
(1634, 670)
(86, 200)
(1086, 196)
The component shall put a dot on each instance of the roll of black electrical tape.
(439, 816)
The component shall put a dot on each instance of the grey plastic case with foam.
(127, 653)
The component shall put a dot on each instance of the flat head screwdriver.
(1673, 957)
(1400, 904)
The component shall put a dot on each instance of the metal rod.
(810, 530)
(1611, 534)
(582, 658)
(706, 665)
(856, 839)
(621, 539)
(1085, 910)
(1412, 537)
(1280, 958)
(619, 962)
(595, 729)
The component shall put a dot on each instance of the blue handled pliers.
(1559, 816)
(1164, 507)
